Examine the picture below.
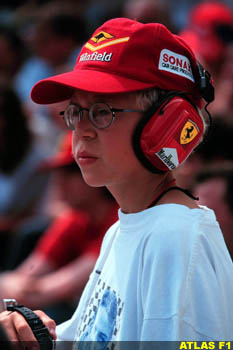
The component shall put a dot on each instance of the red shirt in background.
(73, 234)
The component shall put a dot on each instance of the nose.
(80, 116)
(83, 126)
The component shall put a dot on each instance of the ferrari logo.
(189, 132)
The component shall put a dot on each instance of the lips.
(85, 155)
(85, 158)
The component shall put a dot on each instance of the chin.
(93, 181)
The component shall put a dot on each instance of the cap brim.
(60, 87)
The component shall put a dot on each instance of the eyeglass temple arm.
(126, 110)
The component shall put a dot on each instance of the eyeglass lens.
(100, 115)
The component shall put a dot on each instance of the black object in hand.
(37, 326)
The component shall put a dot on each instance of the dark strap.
(185, 191)
(39, 330)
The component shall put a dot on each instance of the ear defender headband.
(171, 129)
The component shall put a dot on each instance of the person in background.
(23, 187)
(54, 42)
(52, 277)
(208, 21)
(224, 92)
(148, 11)
(210, 34)
(13, 53)
(214, 187)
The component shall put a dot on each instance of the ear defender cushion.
(167, 134)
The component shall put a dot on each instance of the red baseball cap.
(202, 30)
(124, 55)
(210, 14)
(64, 155)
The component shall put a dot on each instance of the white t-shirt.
(163, 274)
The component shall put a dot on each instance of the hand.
(19, 332)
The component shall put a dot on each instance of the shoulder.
(170, 218)
(173, 217)
(189, 243)
(177, 231)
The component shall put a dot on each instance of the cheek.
(118, 153)
(118, 141)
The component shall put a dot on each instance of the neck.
(137, 195)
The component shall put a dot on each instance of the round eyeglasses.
(101, 115)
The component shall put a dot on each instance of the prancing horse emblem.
(189, 132)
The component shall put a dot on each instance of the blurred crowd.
(51, 222)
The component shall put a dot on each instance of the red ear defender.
(165, 137)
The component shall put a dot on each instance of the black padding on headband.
(205, 85)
